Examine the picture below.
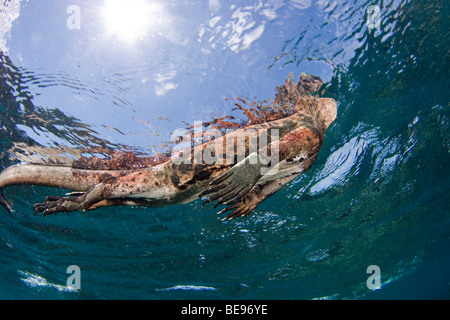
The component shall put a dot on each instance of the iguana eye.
(299, 158)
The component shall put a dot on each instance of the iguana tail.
(49, 175)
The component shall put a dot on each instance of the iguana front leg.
(236, 182)
(257, 195)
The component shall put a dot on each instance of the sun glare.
(129, 19)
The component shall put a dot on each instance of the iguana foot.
(244, 206)
(54, 204)
(234, 184)
(75, 201)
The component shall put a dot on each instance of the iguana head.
(326, 111)
(325, 108)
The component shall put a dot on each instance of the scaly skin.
(184, 178)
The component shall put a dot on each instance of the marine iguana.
(240, 184)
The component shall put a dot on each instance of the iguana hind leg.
(79, 201)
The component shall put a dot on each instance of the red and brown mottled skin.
(300, 119)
